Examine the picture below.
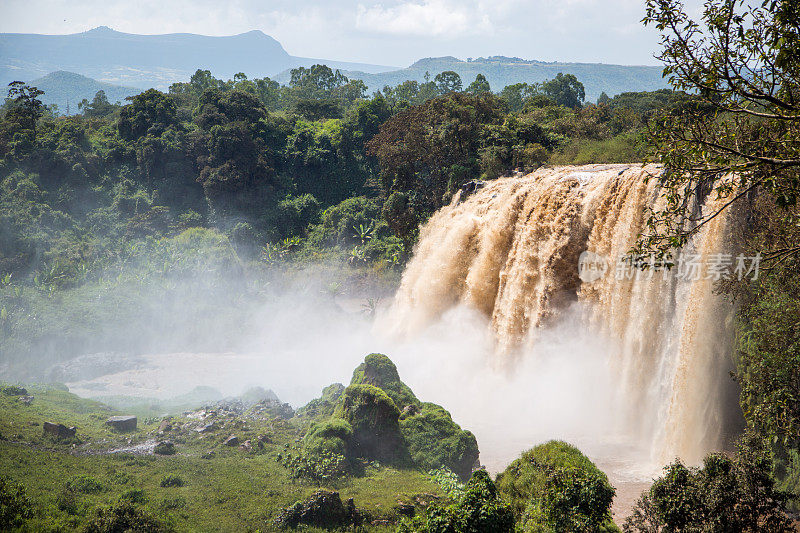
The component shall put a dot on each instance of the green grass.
(234, 490)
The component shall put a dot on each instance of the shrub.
(478, 510)
(85, 485)
(15, 507)
(553, 486)
(124, 517)
(133, 496)
(171, 480)
(727, 494)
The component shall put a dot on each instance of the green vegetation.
(478, 509)
(106, 481)
(740, 142)
(554, 487)
(727, 494)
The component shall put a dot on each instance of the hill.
(68, 89)
(501, 71)
(146, 61)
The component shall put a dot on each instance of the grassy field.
(219, 487)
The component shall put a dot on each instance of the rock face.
(233, 440)
(324, 509)
(59, 431)
(123, 423)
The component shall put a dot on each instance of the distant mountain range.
(124, 63)
(502, 71)
(146, 61)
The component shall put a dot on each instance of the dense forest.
(219, 175)
(208, 190)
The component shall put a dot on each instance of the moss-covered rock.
(331, 436)
(434, 440)
(324, 509)
(379, 371)
(554, 486)
(322, 408)
(374, 418)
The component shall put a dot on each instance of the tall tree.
(743, 60)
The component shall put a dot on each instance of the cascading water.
(511, 251)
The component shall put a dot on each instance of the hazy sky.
(387, 32)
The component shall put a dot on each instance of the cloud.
(439, 18)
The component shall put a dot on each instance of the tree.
(149, 112)
(480, 85)
(516, 94)
(98, 107)
(27, 108)
(316, 82)
(448, 82)
(743, 60)
(564, 89)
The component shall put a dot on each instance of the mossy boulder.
(379, 371)
(434, 440)
(374, 418)
(331, 436)
(323, 407)
(324, 509)
(554, 486)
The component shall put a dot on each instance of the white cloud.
(438, 18)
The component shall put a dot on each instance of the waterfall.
(511, 251)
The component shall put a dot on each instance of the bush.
(85, 485)
(15, 507)
(434, 441)
(478, 510)
(171, 480)
(727, 494)
(553, 486)
(126, 518)
(133, 496)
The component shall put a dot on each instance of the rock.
(405, 509)
(59, 431)
(264, 439)
(123, 423)
(324, 509)
(470, 187)
(26, 400)
(165, 426)
(208, 427)
(233, 440)
(13, 390)
(164, 448)
(246, 446)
